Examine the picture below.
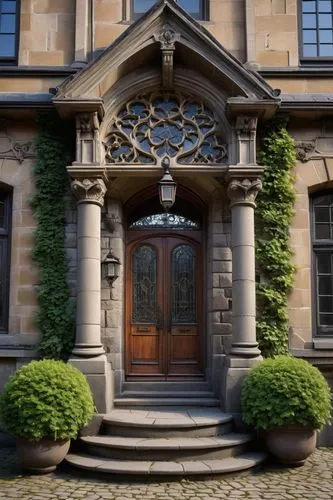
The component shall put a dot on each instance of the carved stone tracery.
(156, 124)
(89, 190)
(15, 150)
(243, 190)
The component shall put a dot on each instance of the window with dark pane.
(196, 8)
(183, 300)
(144, 284)
(8, 29)
(317, 28)
(322, 243)
(5, 209)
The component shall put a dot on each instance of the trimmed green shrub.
(46, 398)
(283, 391)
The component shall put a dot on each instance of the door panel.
(163, 313)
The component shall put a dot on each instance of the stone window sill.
(319, 344)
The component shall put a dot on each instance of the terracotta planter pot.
(41, 456)
(292, 444)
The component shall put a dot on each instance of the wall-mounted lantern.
(167, 187)
(111, 268)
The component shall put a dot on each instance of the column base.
(88, 350)
(235, 370)
(246, 350)
(100, 378)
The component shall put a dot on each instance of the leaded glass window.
(8, 29)
(165, 221)
(317, 28)
(322, 231)
(183, 284)
(197, 8)
(144, 284)
(153, 125)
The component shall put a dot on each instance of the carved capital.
(89, 191)
(244, 191)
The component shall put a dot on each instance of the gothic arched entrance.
(164, 292)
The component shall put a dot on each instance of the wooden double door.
(164, 307)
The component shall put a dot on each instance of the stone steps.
(166, 468)
(194, 386)
(169, 449)
(169, 441)
(142, 402)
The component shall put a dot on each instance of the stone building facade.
(196, 86)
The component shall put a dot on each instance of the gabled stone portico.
(106, 191)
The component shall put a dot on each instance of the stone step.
(174, 401)
(166, 395)
(166, 468)
(166, 422)
(152, 385)
(170, 449)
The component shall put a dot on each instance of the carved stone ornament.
(167, 38)
(15, 150)
(304, 151)
(87, 122)
(156, 124)
(89, 190)
(246, 124)
(243, 190)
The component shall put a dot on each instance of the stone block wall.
(276, 32)
(112, 307)
(219, 287)
(47, 32)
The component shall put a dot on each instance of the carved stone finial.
(89, 191)
(242, 191)
(167, 38)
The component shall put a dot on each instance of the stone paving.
(313, 481)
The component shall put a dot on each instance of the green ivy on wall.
(55, 316)
(275, 208)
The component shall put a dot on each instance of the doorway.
(164, 328)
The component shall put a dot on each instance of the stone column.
(90, 194)
(88, 354)
(244, 352)
(242, 193)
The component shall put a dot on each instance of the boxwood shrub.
(285, 390)
(46, 398)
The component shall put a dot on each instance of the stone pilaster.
(88, 354)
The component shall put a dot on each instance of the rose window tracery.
(157, 124)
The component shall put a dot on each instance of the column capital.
(244, 191)
(89, 190)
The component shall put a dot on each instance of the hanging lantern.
(167, 187)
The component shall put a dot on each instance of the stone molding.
(246, 130)
(89, 191)
(244, 191)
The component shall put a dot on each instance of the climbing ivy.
(55, 316)
(275, 208)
